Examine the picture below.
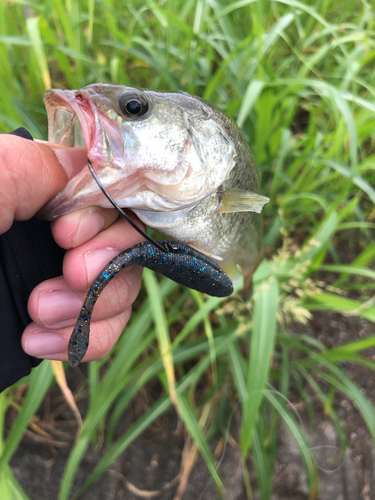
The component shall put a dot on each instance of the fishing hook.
(167, 248)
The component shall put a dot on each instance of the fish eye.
(133, 105)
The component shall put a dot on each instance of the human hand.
(92, 237)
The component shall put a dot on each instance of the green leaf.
(190, 420)
(261, 351)
(252, 93)
(331, 302)
(300, 439)
(360, 271)
(32, 24)
(40, 380)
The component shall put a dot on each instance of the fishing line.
(167, 248)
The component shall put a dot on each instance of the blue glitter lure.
(185, 265)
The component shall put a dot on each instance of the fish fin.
(232, 270)
(247, 273)
(240, 200)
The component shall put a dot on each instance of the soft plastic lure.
(184, 265)
(179, 262)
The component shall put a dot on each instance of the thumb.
(31, 174)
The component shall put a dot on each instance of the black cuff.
(22, 132)
(28, 256)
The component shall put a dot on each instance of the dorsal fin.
(240, 200)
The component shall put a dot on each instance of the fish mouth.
(67, 129)
(75, 121)
(64, 124)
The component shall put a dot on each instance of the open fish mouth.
(66, 129)
(75, 121)
(169, 159)
(67, 112)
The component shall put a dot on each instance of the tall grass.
(299, 79)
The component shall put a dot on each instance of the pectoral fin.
(240, 200)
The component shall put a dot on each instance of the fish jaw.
(75, 121)
(157, 163)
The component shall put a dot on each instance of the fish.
(181, 165)
(178, 162)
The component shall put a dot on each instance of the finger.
(75, 228)
(33, 172)
(52, 145)
(53, 344)
(53, 304)
(83, 264)
(57, 302)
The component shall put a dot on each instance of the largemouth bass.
(178, 162)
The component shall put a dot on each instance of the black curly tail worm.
(184, 265)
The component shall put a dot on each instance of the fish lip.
(75, 121)
(63, 118)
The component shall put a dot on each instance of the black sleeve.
(28, 256)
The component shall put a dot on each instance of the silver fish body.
(176, 164)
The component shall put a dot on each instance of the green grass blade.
(261, 464)
(6, 491)
(32, 24)
(190, 420)
(210, 304)
(338, 379)
(300, 439)
(331, 302)
(91, 4)
(238, 370)
(261, 350)
(17, 491)
(5, 486)
(357, 179)
(208, 330)
(252, 93)
(40, 380)
(360, 271)
(358, 345)
(327, 403)
(162, 332)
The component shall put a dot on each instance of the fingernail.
(44, 343)
(89, 225)
(57, 306)
(72, 159)
(96, 260)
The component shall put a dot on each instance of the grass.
(299, 80)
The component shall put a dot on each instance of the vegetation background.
(299, 79)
